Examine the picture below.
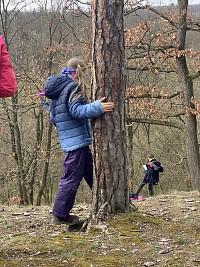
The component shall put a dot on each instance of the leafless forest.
(42, 38)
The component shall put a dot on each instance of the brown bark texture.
(192, 146)
(110, 190)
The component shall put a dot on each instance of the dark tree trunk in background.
(46, 166)
(18, 152)
(110, 191)
(192, 146)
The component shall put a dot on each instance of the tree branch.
(148, 7)
(159, 96)
(130, 120)
(196, 75)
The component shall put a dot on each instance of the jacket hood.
(55, 84)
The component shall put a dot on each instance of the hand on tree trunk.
(106, 106)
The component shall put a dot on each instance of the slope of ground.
(164, 231)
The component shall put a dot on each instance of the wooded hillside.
(40, 42)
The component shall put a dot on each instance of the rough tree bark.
(193, 155)
(46, 167)
(110, 190)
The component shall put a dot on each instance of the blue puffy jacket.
(70, 113)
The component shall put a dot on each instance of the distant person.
(151, 170)
(70, 112)
(8, 84)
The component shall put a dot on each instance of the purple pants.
(77, 164)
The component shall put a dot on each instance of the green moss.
(80, 243)
(178, 260)
(95, 230)
(11, 263)
(64, 256)
(94, 246)
(31, 262)
(181, 241)
(57, 249)
(20, 239)
(9, 225)
(75, 252)
(129, 224)
(1, 220)
(111, 260)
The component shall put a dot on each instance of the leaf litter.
(162, 231)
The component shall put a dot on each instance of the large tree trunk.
(192, 146)
(110, 190)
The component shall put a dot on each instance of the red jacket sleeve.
(8, 84)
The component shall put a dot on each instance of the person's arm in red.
(8, 84)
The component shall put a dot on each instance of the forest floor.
(163, 231)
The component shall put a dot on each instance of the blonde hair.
(79, 65)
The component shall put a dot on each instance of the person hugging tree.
(70, 112)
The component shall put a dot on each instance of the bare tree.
(158, 55)
(191, 139)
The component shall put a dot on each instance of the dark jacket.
(152, 173)
(69, 112)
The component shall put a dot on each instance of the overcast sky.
(30, 3)
(167, 2)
